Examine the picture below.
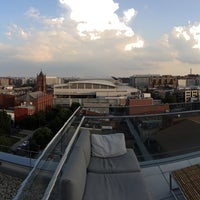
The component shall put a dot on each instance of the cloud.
(34, 13)
(95, 37)
(129, 14)
(184, 42)
(17, 31)
(190, 33)
(92, 30)
(94, 17)
(195, 32)
(138, 44)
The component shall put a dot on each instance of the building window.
(81, 86)
(96, 86)
(88, 86)
(104, 86)
(73, 85)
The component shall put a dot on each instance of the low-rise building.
(88, 91)
(146, 106)
(53, 80)
(7, 101)
(188, 94)
(33, 102)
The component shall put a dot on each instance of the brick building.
(146, 106)
(33, 102)
(20, 112)
(5, 81)
(163, 81)
(7, 101)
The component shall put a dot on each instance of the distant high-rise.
(41, 82)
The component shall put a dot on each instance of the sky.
(99, 38)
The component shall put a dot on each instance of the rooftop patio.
(143, 133)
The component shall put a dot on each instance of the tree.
(170, 98)
(42, 136)
(41, 118)
(29, 122)
(5, 122)
(74, 106)
(55, 124)
(64, 114)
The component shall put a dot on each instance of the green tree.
(74, 106)
(41, 118)
(64, 114)
(55, 124)
(170, 98)
(29, 122)
(5, 122)
(42, 136)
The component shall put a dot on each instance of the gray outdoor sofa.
(88, 177)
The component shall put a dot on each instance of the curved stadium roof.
(98, 82)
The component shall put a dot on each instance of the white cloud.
(181, 32)
(95, 17)
(17, 31)
(183, 43)
(138, 44)
(54, 21)
(33, 13)
(190, 33)
(195, 32)
(91, 30)
(129, 14)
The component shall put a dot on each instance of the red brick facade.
(6, 101)
(21, 112)
(43, 102)
(140, 102)
(145, 106)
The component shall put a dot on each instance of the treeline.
(46, 125)
(53, 118)
(5, 123)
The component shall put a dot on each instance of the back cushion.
(84, 143)
(110, 145)
(73, 178)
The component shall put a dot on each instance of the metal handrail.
(141, 115)
(25, 182)
(61, 163)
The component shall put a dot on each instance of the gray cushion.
(129, 186)
(120, 164)
(73, 178)
(110, 145)
(84, 143)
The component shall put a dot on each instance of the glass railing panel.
(38, 179)
(139, 130)
(154, 136)
(143, 133)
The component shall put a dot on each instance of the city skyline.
(99, 38)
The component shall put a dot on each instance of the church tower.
(41, 82)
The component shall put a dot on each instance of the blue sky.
(92, 38)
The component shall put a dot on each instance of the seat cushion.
(129, 186)
(74, 174)
(120, 164)
(84, 143)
